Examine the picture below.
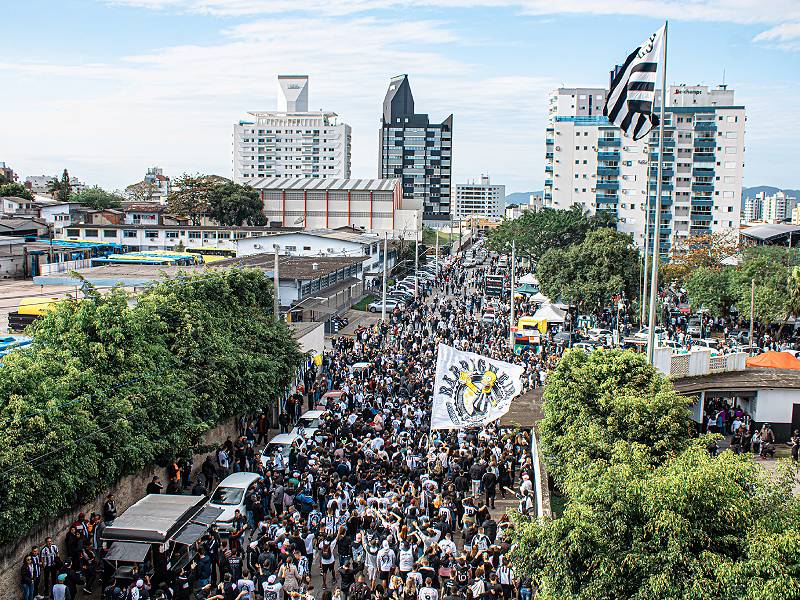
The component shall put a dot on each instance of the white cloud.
(176, 106)
(735, 11)
(785, 36)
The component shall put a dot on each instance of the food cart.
(157, 536)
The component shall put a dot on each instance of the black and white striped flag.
(630, 101)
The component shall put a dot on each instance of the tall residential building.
(479, 199)
(416, 151)
(588, 161)
(292, 141)
(753, 210)
(777, 207)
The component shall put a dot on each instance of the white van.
(230, 495)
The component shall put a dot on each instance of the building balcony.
(665, 187)
(548, 168)
(705, 126)
(608, 155)
(703, 172)
(607, 185)
(608, 142)
(702, 187)
(704, 158)
(549, 155)
(699, 217)
(700, 201)
(607, 198)
(548, 182)
(667, 157)
(549, 141)
(705, 143)
(608, 171)
(664, 172)
(668, 143)
(548, 196)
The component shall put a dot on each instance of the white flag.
(472, 390)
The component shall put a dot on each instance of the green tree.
(233, 204)
(768, 266)
(190, 196)
(710, 288)
(141, 191)
(694, 527)
(535, 232)
(61, 189)
(110, 386)
(593, 401)
(793, 289)
(589, 273)
(16, 190)
(97, 198)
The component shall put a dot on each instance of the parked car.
(308, 423)
(281, 443)
(598, 334)
(230, 495)
(564, 338)
(706, 343)
(644, 332)
(391, 304)
(670, 344)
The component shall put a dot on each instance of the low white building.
(479, 199)
(323, 243)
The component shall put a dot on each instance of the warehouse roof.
(771, 231)
(324, 184)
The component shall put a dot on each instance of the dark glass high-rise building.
(417, 151)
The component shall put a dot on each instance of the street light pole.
(752, 308)
(416, 263)
(276, 301)
(511, 335)
(383, 296)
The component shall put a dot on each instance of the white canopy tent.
(529, 278)
(550, 314)
(539, 298)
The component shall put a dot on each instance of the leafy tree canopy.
(191, 195)
(769, 266)
(593, 401)
(110, 387)
(233, 204)
(708, 251)
(535, 232)
(97, 198)
(590, 272)
(16, 190)
(710, 288)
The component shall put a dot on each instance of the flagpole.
(651, 333)
(511, 334)
(643, 294)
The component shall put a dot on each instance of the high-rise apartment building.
(589, 162)
(416, 151)
(777, 207)
(479, 199)
(292, 141)
(753, 210)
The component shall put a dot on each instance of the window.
(291, 248)
(306, 247)
(729, 179)
(730, 149)
(730, 165)
(150, 234)
(171, 235)
(109, 233)
(195, 235)
(731, 135)
(129, 233)
(90, 233)
(73, 233)
(727, 194)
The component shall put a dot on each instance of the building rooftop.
(143, 207)
(320, 184)
(771, 231)
(293, 267)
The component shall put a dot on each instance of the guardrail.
(697, 362)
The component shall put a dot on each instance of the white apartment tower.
(292, 141)
(589, 162)
(479, 199)
(777, 207)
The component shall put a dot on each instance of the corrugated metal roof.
(322, 184)
(770, 230)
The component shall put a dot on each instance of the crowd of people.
(373, 505)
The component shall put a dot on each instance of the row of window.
(170, 235)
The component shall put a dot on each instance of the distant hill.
(750, 192)
(520, 197)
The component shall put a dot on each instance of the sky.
(110, 88)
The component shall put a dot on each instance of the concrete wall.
(127, 491)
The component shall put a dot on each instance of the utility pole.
(752, 309)
(451, 234)
(511, 333)
(436, 258)
(275, 282)
(383, 296)
(416, 263)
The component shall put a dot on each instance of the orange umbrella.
(774, 360)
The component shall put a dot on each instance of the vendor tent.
(529, 278)
(527, 288)
(549, 313)
(539, 298)
(774, 360)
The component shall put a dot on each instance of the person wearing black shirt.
(155, 486)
